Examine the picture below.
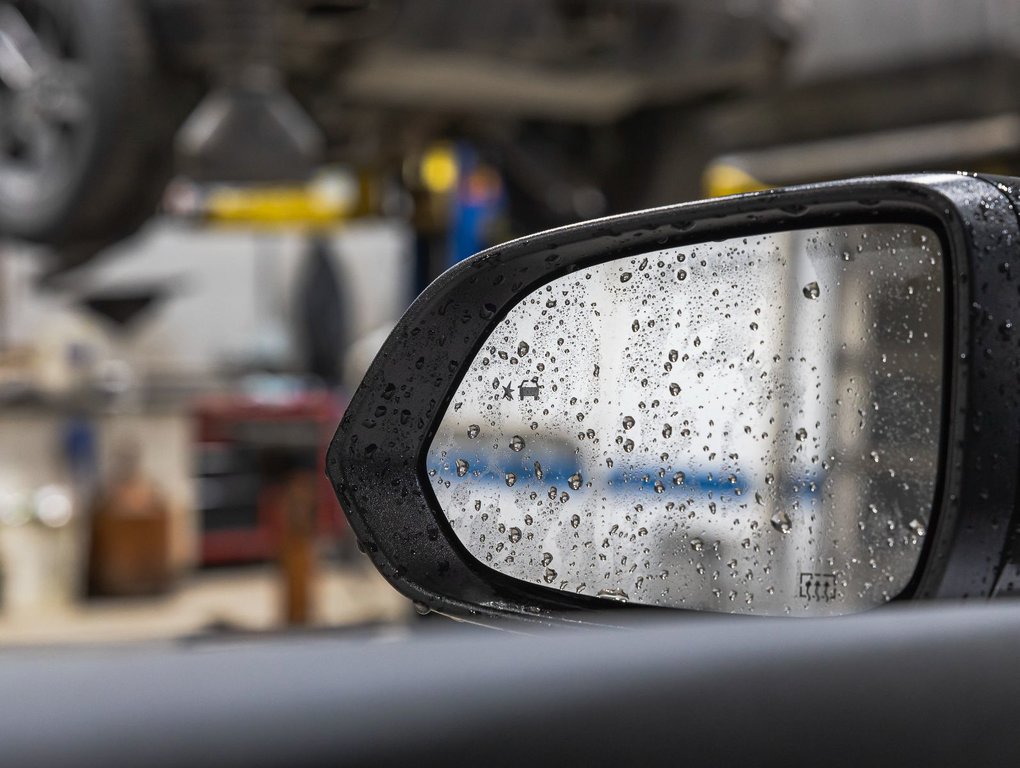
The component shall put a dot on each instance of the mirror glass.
(750, 425)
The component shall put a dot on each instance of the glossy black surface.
(376, 458)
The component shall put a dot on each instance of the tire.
(107, 178)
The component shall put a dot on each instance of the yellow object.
(439, 169)
(277, 206)
(720, 179)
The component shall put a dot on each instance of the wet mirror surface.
(741, 426)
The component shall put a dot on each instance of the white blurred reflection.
(744, 426)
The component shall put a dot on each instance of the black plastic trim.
(376, 459)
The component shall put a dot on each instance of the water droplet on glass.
(613, 594)
(678, 478)
(546, 558)
(574, 481)
(523, 349)
(625, 277)
(549, 576)
(673, 355)
(628, 422)
(462, 467)
(801, 435)
(575, 521)
(635, 326)
(811, 291)
(681, 274)
(473, 431)
(515, 535)
(697, 341)
(781, 522)
(697, 545)
(628, 445)
(511, 478)
(917, 527)
(667, 431)
(539, 474)
(674, 389)
(659, 487)
(516, 443)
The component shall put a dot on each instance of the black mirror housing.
(376, 461)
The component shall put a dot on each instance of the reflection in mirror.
(741, 426)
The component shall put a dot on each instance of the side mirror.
(799, 402)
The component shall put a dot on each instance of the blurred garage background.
(212, 212)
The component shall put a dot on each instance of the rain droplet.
(539, 474)
(628, 422)
(549, 576)
(613, 594)
(523, 349)
(628, 445)
(697, 341)
(625, 277)
(462, 467)
(516, 443)
(635, 326)
(681, 274)
(667, 431)
(917, 527)
(801, 435)
(473, 431)
(515, 535)
(673, 355)
(678, 478)
(511, 478)
(674, 389)
(659, 487)
(546, 558)
(811, 291)
(575, 521)
(697, 545)
(574, 481)
(781, 522)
